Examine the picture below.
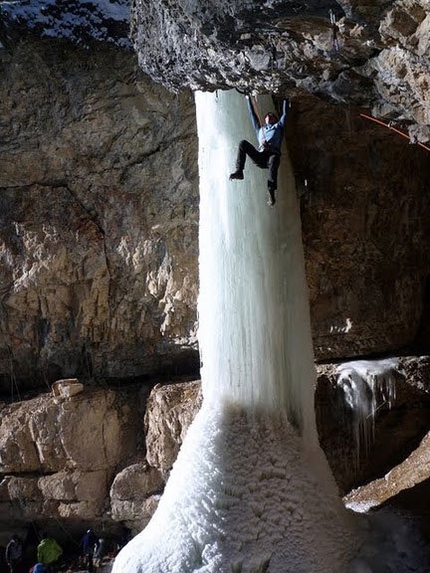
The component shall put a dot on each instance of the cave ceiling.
(372, 54)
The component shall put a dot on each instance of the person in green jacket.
(48, 552)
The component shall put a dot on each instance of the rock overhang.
(372, 56)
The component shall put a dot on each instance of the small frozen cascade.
(394, 542)
(368, 385)
(250, 491)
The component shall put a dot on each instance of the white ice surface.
(250, 491)
(242, 495)
(254, 325)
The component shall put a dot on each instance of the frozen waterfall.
(250, 490)
(254, 327)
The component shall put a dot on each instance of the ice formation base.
(243, 497)
(250, 491)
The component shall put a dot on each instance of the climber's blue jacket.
(272, 134)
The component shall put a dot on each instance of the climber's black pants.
(265, 159)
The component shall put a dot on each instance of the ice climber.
(268, 155)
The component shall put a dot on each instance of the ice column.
(250, 491)
(254, 328)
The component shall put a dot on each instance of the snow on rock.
(80, 22)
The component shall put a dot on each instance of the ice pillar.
(250, 491)
(254, 326)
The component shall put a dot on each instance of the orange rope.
(393, 129)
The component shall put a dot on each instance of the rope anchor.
(335, 29)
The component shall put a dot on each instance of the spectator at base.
(99, 553)
(89, 544)
(38, 568)
(14, 553)
(48, 553)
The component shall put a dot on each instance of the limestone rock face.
(65, 486)
(58, 456)
(170, 411)
(99, 211)
(413, 471)
(87, 431)
(136, 490)
(368, 54)
(74, 495)
(134, 495)
(81, 459)
(18, 452)
(366, 227)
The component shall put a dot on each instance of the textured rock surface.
(134, 495)
(99, 209)
(58, 456)
(89, 431)
(136, 490)
(374, 55)
(81, 459)
(170, 411)
(412, 471)
(366, 230)
(99, 212)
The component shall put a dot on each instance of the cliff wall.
(99, 233)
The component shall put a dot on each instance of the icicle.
(368, 385)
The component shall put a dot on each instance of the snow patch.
(102, 20)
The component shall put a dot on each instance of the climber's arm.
(283, 118)
(252, 114)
